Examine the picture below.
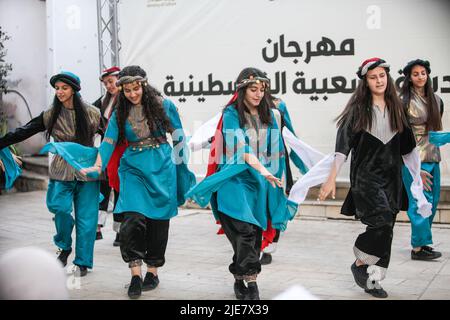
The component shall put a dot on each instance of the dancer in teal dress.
(153, 177)
(246, 189)
(68, 119)
(424, 110)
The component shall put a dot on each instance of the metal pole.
(115, 34)
(108, 34)
(100, 41)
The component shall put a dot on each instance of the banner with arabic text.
(193, 51)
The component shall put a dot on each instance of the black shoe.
(63, 255)
(98, 235)
(377, 292)
(150, 282)
(135, 288)
(360, 275)
(81, 271)
(116, 242)
(253, 292)
(266, 258)
(240, 290)
(430, 249)
(425, 254)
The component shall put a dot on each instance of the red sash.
(268, 235)
(113, 166)
(216, 149)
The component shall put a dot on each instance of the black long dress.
(376, 192)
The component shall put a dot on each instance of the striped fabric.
(364, 257)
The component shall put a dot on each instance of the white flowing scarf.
(318, 164)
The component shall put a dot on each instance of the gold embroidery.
(109, 140)
(417, 115)
(139, 122)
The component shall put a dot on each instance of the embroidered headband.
(130, 79)
(250, 80)
(370, 64)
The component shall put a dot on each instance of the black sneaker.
(360, 275)
(81, 271)
(150, 282)
(425, 254)
(430, 249)
(253, 292)
(135, 288)
(116, 242)
(240, 290)
(266, 258)
(98, 235)
(377, 291)
(63, 255)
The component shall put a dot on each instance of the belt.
(147, 143)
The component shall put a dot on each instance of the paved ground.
(315, 254)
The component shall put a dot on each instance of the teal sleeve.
(12, 170)
(439, 138)
(172, 113)
(109, 142)
(180, 147)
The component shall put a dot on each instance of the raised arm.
(34, 126)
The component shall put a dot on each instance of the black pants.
(105, 190)
(246, 240)
(143, 239)
(377, 239)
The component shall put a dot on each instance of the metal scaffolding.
(108, 34)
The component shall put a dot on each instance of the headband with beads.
(130, 79)
(250, 80)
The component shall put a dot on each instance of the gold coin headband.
(251, 80)
(130, 79)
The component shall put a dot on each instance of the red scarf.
(216, 150)
(112, 168)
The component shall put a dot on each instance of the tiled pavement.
(313, 253)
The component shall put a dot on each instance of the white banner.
(193, 50)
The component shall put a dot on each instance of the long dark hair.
(151, 102)
(358, 110)
(83, 131)
(434, 121)
(264, 107)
